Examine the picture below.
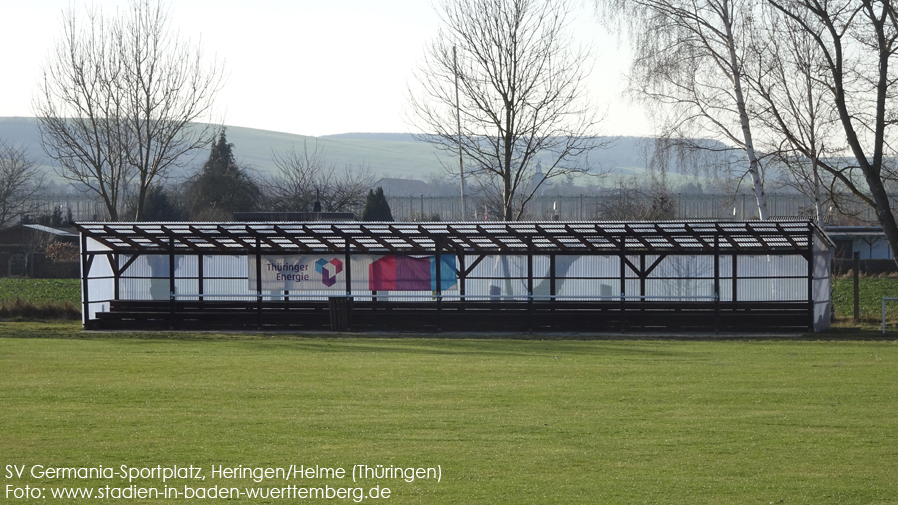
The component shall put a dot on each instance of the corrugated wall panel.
(226, 267)
(680, 289)
(137, 289)
(187, 287)
(822, 284)
(772, 266)
(760, 290)
(186, 266)
(595, 267)
(726, 290)
(684, 267)
(100, 268)
(100, 285)
(102, 290)
(228, 289)
(726, 266)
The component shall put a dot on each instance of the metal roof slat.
(317, 236)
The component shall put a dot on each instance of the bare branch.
(121, 100)
(306, 177)
(19, 182)
(522, 93)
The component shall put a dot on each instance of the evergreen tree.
(221, 187)
(160, 206)
(376, 207)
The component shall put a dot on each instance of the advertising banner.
(369, 273)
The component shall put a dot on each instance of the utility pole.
(461, 166)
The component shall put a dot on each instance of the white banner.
(368, 273)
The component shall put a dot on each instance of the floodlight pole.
(461, 166)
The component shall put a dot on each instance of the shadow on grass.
(478, 346)
(18, 310)
(422, 345)
(67, 329)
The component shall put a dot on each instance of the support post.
(552, 286)
(171, 283)
(735, 277)
(85, 275)
(347, 265)
(200, 276)
(462, 278)
(116, 274)
(717, 283)
(857, 287)
(811, 256)
(642, 277)
(623, 293)
(259, 283)
(530, 290)
(438, 243)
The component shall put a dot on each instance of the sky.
(302, 66)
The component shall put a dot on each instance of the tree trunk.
(754, 165)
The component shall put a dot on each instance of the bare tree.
(19, 181)
(689, 59)
(299, 171)
(346, 189)
(652, 201)
(306, 177)
(853, 44)
(121, 100)
(521, 86)
(800, 126)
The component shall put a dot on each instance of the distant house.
(403, 187)
(31, 237)
(22, 249)
(869, 241)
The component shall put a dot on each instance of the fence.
(410, 207)
(591, 207)
(37, 265)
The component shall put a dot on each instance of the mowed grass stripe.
(509, 421)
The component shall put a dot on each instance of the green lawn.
(872, 290)
(506, 421)
(40, 291)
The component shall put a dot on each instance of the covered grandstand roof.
(581, 237)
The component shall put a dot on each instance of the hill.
(396, 155)
(393, 155)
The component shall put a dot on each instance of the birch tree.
(853, 46)
(689, 65)
(796, 112)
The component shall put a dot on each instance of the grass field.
(871, 290)
(506, 421)
(40, 291)
(39, 299)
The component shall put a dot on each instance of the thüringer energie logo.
(328, 270)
